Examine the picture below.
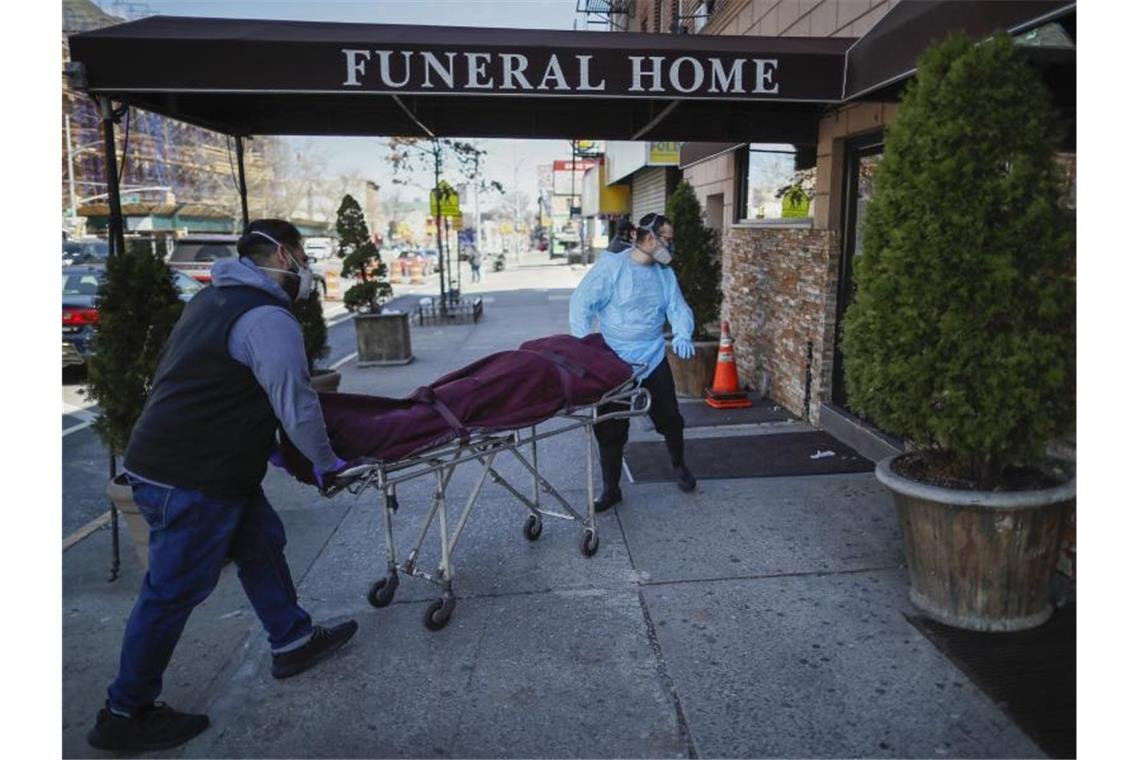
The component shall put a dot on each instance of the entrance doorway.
(861, 157)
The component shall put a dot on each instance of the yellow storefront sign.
(664, 153)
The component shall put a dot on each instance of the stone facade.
(779, 297)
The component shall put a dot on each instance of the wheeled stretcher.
(480, 426)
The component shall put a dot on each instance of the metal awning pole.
(241, 182)
(115, 246)
(115, 240)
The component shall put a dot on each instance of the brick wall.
(797, 18)
(778, 295)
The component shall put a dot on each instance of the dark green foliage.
(138, 306)
(695, 259)
(361, 260)
(962, 336)
(310, 314)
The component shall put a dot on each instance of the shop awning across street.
(258, 77)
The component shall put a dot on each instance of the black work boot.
(151, 728)
(610, 457)
(685, 480)
(608, 498)
(676, 445)
(324, 642)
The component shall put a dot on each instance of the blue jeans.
(191, 534)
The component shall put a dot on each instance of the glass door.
(862, 157)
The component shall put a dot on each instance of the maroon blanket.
(504, 391)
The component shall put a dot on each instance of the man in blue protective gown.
(231, 374)
(632, 294)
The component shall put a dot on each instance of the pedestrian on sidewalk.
(632, 294)
(475, 259)
(232, 372)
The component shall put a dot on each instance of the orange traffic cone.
(725, 392)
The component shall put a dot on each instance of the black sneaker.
(685, 480)
(324, 642)
(149, 729)
(607, 500)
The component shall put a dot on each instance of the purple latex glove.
(328, 475)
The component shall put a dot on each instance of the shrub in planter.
(961, 338)
(381, 339)
(696, 261)
(361, 258)
(138, 305)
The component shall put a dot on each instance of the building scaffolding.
(181, 173)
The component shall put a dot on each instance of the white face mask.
(661, 253)
(303, 274)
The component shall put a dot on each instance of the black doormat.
(1031, 675)
(700, 414)
(748, 456)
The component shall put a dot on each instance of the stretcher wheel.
(533, 528)
(589, 545)
(383, 590)
(437, 615)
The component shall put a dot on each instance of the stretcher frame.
(631, 400)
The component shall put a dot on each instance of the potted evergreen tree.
(381, 338)
(138, 305)
(697, 265)
(962, 336)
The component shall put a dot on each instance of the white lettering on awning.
(446, 75)
(355, 66)
(484, 70)
(554, 71)
(639, 73)
(514, 64)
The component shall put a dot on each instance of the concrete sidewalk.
(754, 618)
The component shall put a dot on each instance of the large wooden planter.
(980, 560)
(383, 339)
(693, 376)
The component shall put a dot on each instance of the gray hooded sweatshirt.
(268, 340)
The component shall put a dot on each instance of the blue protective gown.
(632, 302)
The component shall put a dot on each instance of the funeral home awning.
(248, 77)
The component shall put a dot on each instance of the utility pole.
(439, 226)
(478, 218)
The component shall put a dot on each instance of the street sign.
(445, 201)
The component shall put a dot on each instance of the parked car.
(195, 255)
(431, 260)
(84, 251)
(320, 248)
(80, 286)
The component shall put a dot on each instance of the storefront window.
(777, 183)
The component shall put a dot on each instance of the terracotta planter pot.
(325, 380)
(138, 529)
(693, 376)
(980, 560)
